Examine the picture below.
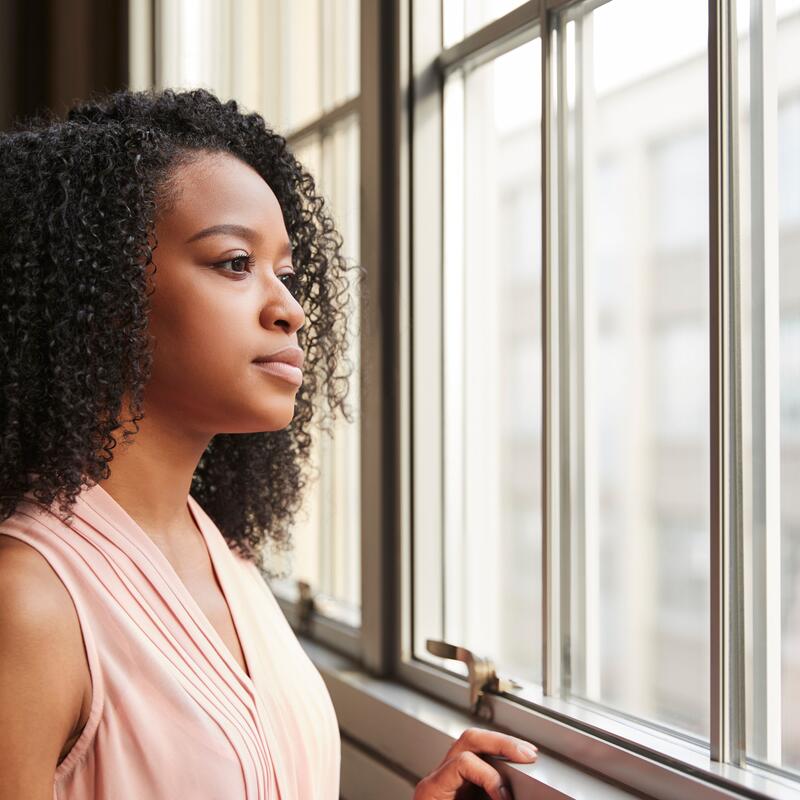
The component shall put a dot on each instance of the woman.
(173, 300)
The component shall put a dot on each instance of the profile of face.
(222, 299)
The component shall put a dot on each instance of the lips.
(280, 369)
(285, 364)
(293, 356)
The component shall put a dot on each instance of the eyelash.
(250, 260)
(247, 256)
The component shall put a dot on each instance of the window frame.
(327, 623)
(639, 756)
(376, 106)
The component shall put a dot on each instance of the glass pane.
(769, 158)
(463, 17)
(309, 154)
(340, 462)
(304, 562)
(635, 144)
(195, 49)
(320, 62)
(492, 368)
(341, 51)
(327, 540)
(301, 90)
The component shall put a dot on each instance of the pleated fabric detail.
(173, 714)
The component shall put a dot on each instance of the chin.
(264, 426)
(277, 422)
(274, 415)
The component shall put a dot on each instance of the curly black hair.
(79, 199)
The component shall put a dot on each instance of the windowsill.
(330, 632)
(412, 732)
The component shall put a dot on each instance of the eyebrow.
(235, 230)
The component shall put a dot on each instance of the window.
(319, 57)
(297, 63)
(463, 17)
(318, 84)
(635, 392)
(326, 552)
(572, 505)
(491, 385)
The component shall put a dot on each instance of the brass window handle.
(483, 678)
(305, 604)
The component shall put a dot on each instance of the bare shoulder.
(44, 671)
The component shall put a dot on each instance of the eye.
(246, 259)
(291, 282)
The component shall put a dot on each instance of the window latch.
(483, 678)
(305, 605)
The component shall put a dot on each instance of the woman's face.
(222, 299)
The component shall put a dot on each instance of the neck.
(152, 474)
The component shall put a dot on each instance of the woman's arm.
(42, 671)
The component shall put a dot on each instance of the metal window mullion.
(726, 579)
(155, 35)
(321, 125)
(765, 343)
(551, 656)
(565, 392)
(323, 55)
(495, 38)
(141, 44)
(378, 410)
(423, 99)
(585, 584)
(574, 11)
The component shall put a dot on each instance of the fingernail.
(504, 793)
(526, 751)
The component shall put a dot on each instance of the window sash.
(331, 623)
(571, 728)
(379, 60)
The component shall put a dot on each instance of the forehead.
(216, 188)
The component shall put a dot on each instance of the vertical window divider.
(565, 417)
(551, 655)
(141, 44)
(727, 726)
(584, 645)
(156, 38)
(323, 56)
(765, 391)
(378, 112)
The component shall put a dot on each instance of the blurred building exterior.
(650, 364)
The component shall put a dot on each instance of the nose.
(281, 309)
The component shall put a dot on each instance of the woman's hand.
(463, 769)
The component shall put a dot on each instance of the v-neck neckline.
(186, 596)
(221, 579)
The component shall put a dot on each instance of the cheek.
(200, 333)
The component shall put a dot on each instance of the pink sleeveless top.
(173, 715)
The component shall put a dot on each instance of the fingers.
(478, 740)
(462, 764)
(468, 767)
